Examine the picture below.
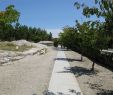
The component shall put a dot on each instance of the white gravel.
(28, 76)
(6, 56)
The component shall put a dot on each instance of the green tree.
(105, 10)
(50, 36)
(10, 15)
(7, 17)
(11, 29)
(55, 42)
(90, 37)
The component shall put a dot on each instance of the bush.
(55, 42)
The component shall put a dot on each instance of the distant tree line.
(11, 29)
(90, 37)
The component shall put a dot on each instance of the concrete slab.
(63, 81)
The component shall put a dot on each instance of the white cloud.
(55, 32)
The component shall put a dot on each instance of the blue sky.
(51, 15)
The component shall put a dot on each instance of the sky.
(51, 15)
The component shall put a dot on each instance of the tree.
(50, 36)
(11, 29)
(66, 38)
(10, 15)
(90, 37)
(103, 9)
(55, 42)
(7, 17)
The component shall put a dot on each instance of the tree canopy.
(11, 29)
(10, 15)
(90, 37)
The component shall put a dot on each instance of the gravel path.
(28, 76)
(99, 82)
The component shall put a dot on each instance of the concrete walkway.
(63, 82)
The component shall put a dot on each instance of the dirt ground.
(28, 76)
(99, 82)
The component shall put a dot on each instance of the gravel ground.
(99, 82)
(10, 55)
(28, 76)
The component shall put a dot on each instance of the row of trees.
(90, 37)
(10, 29)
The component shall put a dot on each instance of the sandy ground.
(99, 82)
(28, 76)
(7, 56)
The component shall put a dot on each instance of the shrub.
(55, 42)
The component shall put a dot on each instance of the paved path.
(62, 80)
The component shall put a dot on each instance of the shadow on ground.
(98, 87)
(51, 93)
(105, 92)
(73, 92)
(68, 59)
(79, 71)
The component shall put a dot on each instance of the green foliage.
(90, 37)
(10, 15)
(10, 29)
(55, 42)
(50, 36)
(67, 38)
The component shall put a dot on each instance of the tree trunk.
(81, 58)
(92, 69)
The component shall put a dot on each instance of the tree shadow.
(79, 71)
(94, 86)
(105, 92)
(49, 93)
(68, 59)
(73, 92)
(98, 87)
(66, 70)
(52, 93)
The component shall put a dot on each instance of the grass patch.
(12, 47)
